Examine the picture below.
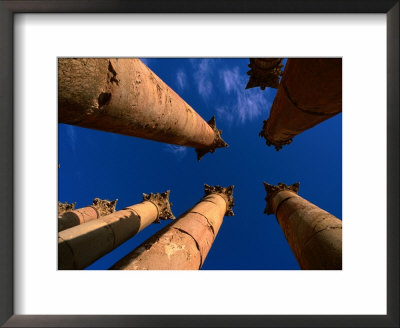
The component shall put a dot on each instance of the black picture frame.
(7, 11)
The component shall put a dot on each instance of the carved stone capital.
(273, 190)
(264, 72)
(225, 192)
(161, 201)
(104, 206)
(65, 207)
(218, 141)
(278, 145)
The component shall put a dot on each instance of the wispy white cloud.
(230, 79)
(203, 69)
(72, 139)
(181, 79)
(243, 105)
(225, 113)
(178, 151)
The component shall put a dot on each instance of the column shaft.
(124, 96)
(81, 245)
(309, 93)
(314, 235)
(76, 217)
(98, 208)
(185, 243)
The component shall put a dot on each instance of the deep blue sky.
(106, 165)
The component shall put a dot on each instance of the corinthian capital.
(161, 201)
(269, 141)
(218, 141)
(226, 193)
(104, 206)
(273, 190)
(65, 207)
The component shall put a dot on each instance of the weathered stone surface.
(174, 250)
(124, 96)
(90, 241)
(185, 243)
(264, 72)
(309, 93)
(314, 235)
(86, 243)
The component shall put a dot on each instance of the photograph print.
(199, 163)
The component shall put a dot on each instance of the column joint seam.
(307, 111)
(315, 233)
(280, 204)
(212, 228)
(108, 226)
(197, 244)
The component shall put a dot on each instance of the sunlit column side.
(81, 245)
(124, 96)
(183, 244)
(310, 92)
(99, 207)
(264, 72)
(314, 235)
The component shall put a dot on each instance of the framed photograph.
(201, 51)
(202, 105)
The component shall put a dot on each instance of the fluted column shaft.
(124, 96)
(81, 245)
(309, 93)
(98, 208)
(314, 235)
(185, 243)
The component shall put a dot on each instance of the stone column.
(65, 207)
(264, 72)
(314, 235)
(81, 245)
(124, 96)
(99, 207)
(183, 244)
(309, 93)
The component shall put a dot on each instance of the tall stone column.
(309, 93)
(124, 96)
(99, 207)
(81, 245)
(264, 72)
(314, 235)
(183, 244)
